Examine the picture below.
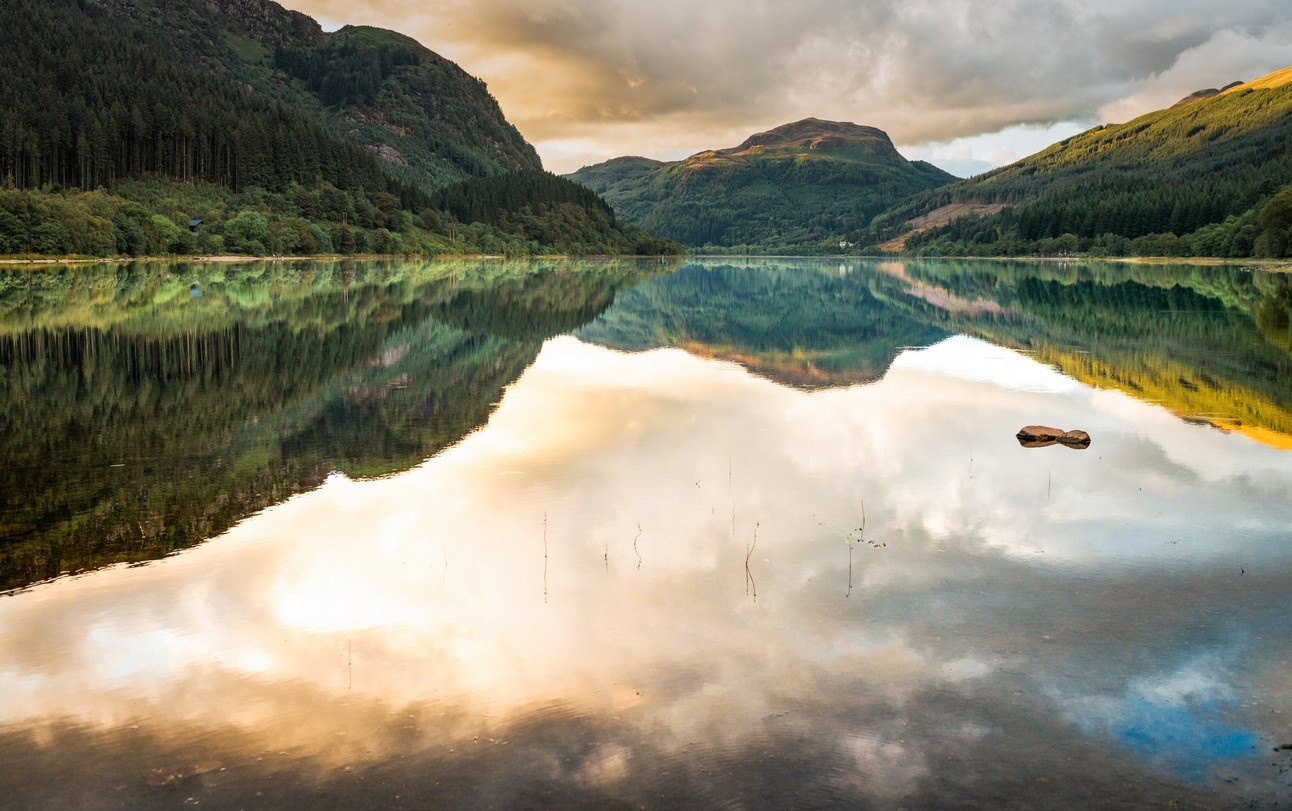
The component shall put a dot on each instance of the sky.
(965, 84)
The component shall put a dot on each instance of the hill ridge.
(1277, 78)
(810, 133)
(1195, 178)
(808, 186)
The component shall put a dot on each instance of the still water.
(739, 534)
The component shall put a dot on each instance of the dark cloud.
(924, 71)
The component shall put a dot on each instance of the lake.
(614, 534)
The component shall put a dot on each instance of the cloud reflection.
(579, 565)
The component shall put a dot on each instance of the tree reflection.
(140, 419)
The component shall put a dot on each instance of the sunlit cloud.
(1227, 56)
(672, 77)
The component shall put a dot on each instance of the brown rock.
(1075, 439)
(1040, 436)
(1039, 433)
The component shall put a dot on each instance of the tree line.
(111, 144)
(1208, 179)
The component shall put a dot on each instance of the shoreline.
(318, 257)
(1272, 265)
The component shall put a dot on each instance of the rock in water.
(1039, 433)
(1075, 439)
(1040, 436)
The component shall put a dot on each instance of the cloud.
(646, 77)
(1227, 56)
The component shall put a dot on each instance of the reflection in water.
(140, 421)
(1213, 343)
(796, 323)
(1020, 628)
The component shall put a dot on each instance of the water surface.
(604, 534)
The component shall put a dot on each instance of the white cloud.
(1228, 56)
(975, 154)
(634, 77)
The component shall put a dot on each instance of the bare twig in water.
(848, 593)
(639, 554)
(732, 497)
(749, 575)
(861, 538)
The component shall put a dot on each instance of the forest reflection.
(141, 419)
(1213, 343)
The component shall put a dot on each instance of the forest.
(112, 144)
(799, 188)
(1209, 178)
(148, 128)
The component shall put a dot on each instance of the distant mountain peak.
(271, 22)
(812, 184)
(1269, 81)
(812, 133)
(1203, 95)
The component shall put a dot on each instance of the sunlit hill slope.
(1197, 178)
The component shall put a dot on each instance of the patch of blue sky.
(1187, 740)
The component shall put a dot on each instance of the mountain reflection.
(140, 419)
(1212, 343)
(804, 324)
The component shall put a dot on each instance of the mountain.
(123, 121)
(1208, 177)
(1199, 95)
(427, 119)
(423, 115)
(807, 185)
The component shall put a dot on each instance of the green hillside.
(123, 122)
(1198, 178)
(805, 187)
(427, 120)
